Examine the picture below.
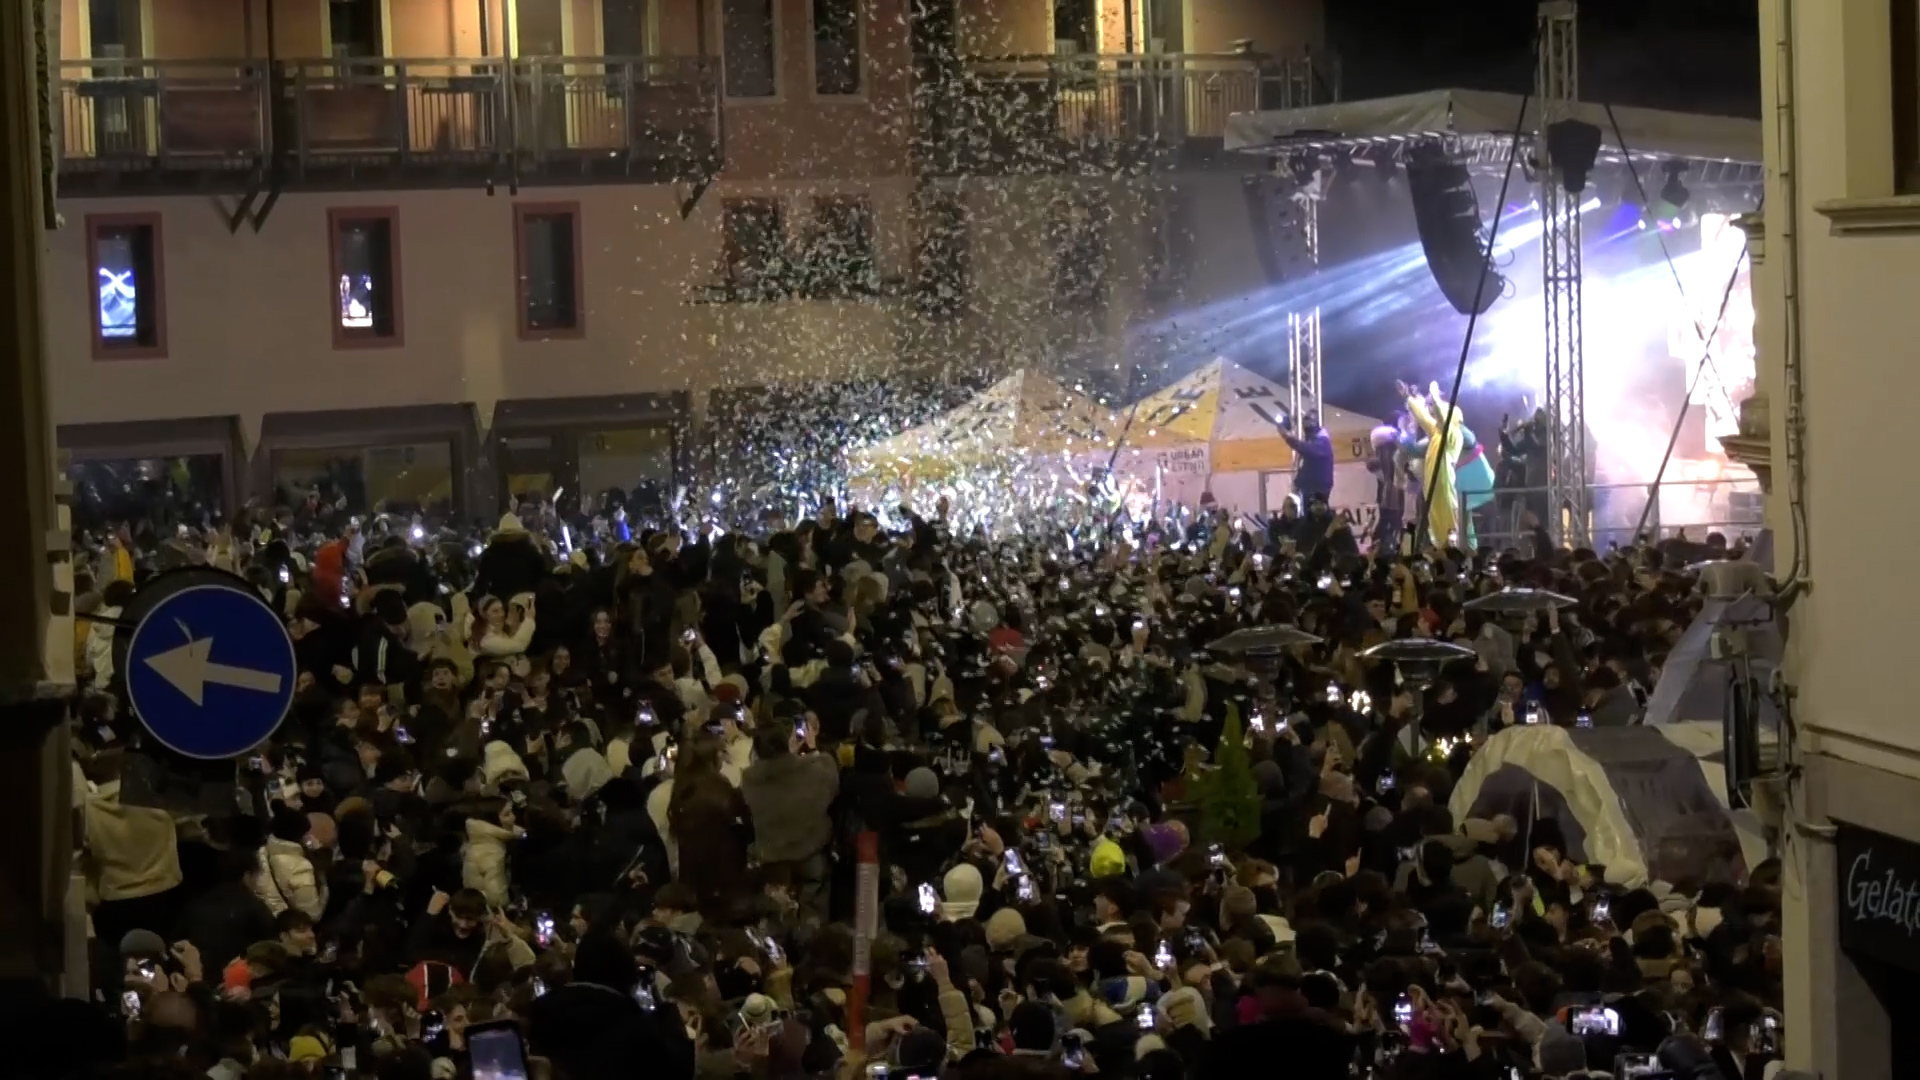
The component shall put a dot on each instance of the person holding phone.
(594, 1028)
(789, 793)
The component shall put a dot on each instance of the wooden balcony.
(236, 125)
(1102, 113)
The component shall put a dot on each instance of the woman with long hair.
(707, 814)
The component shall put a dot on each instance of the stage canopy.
(1020, 417)
(1468, 114)
(1237, 413)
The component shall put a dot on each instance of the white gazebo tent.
(1218, 430)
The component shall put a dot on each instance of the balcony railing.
(396, 119)
(1046, 113)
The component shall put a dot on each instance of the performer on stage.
(1443, 449)
(1389, 484)
(1313, 461)
(1472, 475)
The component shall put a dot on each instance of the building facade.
(1839, 241)
(434, 252)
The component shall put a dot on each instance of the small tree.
(1226, 796)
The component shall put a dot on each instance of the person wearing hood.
(512, 562)
(790, 791)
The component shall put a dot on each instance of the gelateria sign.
(1879, 895)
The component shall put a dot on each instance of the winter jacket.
(500, 765)
(498, 643)
(584, 771)
(132, 851)
(484, 860)
(286, 880)
(789, 797)
(100, 647)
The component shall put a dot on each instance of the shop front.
(168, 472)
(1852, 908)
(402, 460)
(596, 453)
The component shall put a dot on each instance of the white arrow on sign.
(188, 669)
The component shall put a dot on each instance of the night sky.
(1689, 55)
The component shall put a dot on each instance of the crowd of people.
(556, 802)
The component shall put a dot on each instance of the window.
(113, 28)
(546, 241)
(365, 284)
(124, 270)
(636, 462)
(836, 47)
(840, 256)
(749, 49)
(1080, 253)
(401, 478)
(942, 262)
(755, 242)
(1905, 27)
(623, 28)
(354, 28)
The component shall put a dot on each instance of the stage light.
(1674, 193)
(1572, 146)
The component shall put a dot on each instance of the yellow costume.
(1443, 508)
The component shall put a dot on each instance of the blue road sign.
(210, 671)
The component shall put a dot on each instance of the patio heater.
(1418, 662)
(1259, 648)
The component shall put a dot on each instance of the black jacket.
(594, 1032)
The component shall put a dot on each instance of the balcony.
(1103, 113)
(180, 126)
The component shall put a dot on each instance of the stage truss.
(1303, 327)
(1557, 86)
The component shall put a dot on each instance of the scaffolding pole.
(1303, 327)
(1557, 88)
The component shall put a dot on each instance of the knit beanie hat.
(961, 887)
(1004, 928)
(922, 784)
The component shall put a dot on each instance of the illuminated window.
(128, 313)
(750, 50)
(365, 280)
(547, 244)
(636, 462)
(836, 46)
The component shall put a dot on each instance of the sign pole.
(866, 923)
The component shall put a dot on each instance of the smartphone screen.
(1072, 1054)
(929, 902)
(1403, 1012)
(496, 1051)
(1012, 859)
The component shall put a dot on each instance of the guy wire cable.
(1673, 438)
(1473, 320)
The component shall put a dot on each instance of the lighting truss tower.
(1303, 327)
(1557, 89)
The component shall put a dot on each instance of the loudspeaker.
(1447, 214)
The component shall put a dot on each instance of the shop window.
(401, 478)
(546, 238)
(365, 283)
(836, 47)
(124, 264)
(630, 466)
(749, 42)
(163, 491)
